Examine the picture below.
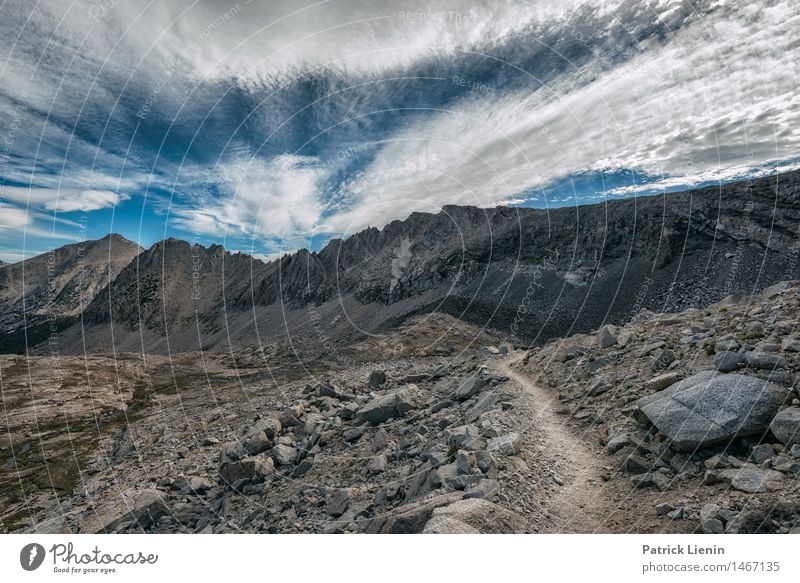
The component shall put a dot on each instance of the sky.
(272, 126)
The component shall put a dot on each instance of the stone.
(606, 336)
(728, 361)
(410, 518)
(392, 405)
(448, 525)
(508, 444)
(574, 351)
(617, 442)
(463, 436)
(486, 402)
(379, 441)
(231, 451)
(271, 427)
(633, 463)
(644, 480)
(338, 503)
(726, 345)
(484, 516)
(751, 480)
(710, 408)
(661, 382)
(762, 453)
(250, 469)
(376, 379)
(709, 510)
(469, 388)
(284, 455)
(664, 508)
(712, 526)
(786, 427)
(791, 344)
(602, 385)
(662, 360)
(436, 455)
(377, 464)
(764, 360)
(486, 489)
(257, 443)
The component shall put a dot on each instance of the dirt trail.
(580, 504)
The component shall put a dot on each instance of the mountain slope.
(535, 274)
(55, 287)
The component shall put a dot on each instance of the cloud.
(12, 217)
(64, 200)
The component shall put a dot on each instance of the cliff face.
(535, 274)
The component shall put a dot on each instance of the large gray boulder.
(786, 426)
(711, 408)
(391, 405)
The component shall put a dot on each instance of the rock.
(377, 464)
(662, 360)
(379, 441)
(257, 443)
(762, 453)
(764, 360)
(664, 508)
(486, 403)
(231, 451)
(617, 442)
(448, 525)
(410, 518)
(728, 361)
(712, 526)
(284, 455)
(786, 427)
(676, 514)
(469, 388)
(726, 345)
(376, 379)
(602, 385)
(574, 351)
(484, 516)
(271, 427)
(143, 507)
(338, 503)
(791, 344)
(751, 480)
(436, 455)
(776, 290)
(606, 336)
(709, 511)
(486, 489)
(709, 408)
(464, 437)
(644, 480)
(633, 463)
(508, 444)
(663, 381)
(392, 405)
(250, 469)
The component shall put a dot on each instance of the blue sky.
(271, 126)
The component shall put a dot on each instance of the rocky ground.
(682, 422)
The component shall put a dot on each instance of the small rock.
(508, 444)
(284, 455)
(377, 464)
(376, 379)
(469, 388)
(606, 336)
(786, 426)
(728, 361)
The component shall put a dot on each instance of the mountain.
(535, 274)
(52, 289)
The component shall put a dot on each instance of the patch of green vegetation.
(753, 335)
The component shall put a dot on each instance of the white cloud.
(12, 217)
(64, 200)
(258, 199)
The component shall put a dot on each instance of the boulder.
(464, 437)
(257, 443)
(284, 455)
(391, 405)
(508, 444)
(786, 426)
(376, 379)
(728, 361)
(752, 480)
(710, 408)
(764, 360)
(606, 336)
(251, 469)
(484, 516)
(469, 388)
(486, 403)
(448, 525)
